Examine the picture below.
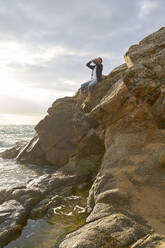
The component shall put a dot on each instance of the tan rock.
(149, 47)
(123, 139)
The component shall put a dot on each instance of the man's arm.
(89, 65)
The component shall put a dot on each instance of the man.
(96, 77)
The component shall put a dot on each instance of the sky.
(45, 45)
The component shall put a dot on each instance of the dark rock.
(12, 152)
(12, 219)
(32, 153)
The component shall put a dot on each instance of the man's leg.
(83, 86)
(90, 88)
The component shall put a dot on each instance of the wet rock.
(12, 219)
(32, 153)
(10, 234)
(58, 182)
(28, 197)
(43, 206)
(12, 152)
(4, 194)
(33, 200)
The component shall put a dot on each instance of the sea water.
(11, 172)
(40, 233)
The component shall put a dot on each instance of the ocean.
(40, 233)
(43, 232)
(11, 172)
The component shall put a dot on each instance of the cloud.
(50, 22)
(18, 105)
(148, 7)
(45, 45)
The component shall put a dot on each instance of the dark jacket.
(99, 69)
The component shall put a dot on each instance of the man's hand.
(94, 60)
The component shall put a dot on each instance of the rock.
(58, 134)
(28, 197)
(148, 48)
(12, 219)
(116, 230)
(99, 211)
(15, 206)
(134, 148)
(87, 159)
(150, 240)
(42, 207)
(12, 152)
(33, 200)
(66, 126)
(146, 73)
(117, 145)
(158, 108)
(9, 208)
(5, 193)
(102, 88)
(115, 105)
(58, 182)
(32, 153)
(10, 234)
(130, 182)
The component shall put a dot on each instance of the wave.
(10, 135)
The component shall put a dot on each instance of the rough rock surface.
(32, 200)
(131, 180)
(59, 134)
(118, 141)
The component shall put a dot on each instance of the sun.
(8, 85)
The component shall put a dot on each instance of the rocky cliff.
(117, 143)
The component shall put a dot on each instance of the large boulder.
(145, 77)
(58, 134)
(147, 48)
(32, 152)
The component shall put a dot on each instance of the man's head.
(99, 60)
